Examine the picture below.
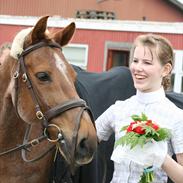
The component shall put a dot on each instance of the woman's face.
(147, 72)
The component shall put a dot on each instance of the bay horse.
(41, 113)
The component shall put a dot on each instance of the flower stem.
(147, 176)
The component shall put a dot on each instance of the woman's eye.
(148, 63)
(135, 60)
(43, 76)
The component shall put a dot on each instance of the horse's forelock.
(18, 42)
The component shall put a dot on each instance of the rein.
(45, 117)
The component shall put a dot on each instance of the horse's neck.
(5, 77)
(10, 126)
(12, 130)
(5, 80)
(5, 95)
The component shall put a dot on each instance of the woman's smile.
(139, 76)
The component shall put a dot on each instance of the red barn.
(105, 28)
(99, 45)
(149, 10)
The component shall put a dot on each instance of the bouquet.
(140, 132)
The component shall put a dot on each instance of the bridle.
(45, 117)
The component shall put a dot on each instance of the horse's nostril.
(82, 147)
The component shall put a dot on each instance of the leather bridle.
(45, 117)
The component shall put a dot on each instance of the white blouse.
(159, 109)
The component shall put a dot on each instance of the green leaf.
(144, 117)
(149, 131)
(124, 128)
(134, 142)
(120, 141)
(127, 139)
(163, 134)
(136, 117)
(142, 140)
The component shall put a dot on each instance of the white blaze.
(61, 66)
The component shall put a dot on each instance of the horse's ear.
(38, 32)
(64, 36)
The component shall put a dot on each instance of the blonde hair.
(163, 50)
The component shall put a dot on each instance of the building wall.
(151, 10)
(96, 40)
(102, 36)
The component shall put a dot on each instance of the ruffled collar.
(150, 97)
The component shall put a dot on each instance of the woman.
(151, 63)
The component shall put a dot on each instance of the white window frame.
(83, 64)
(178, 71)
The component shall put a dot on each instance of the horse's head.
(44, 91)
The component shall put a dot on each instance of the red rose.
(149, 122)
(130, 127)
(154, 126)
(139, 130)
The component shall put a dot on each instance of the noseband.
(45, 117)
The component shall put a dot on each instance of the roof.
(178, 3)
(92, 24)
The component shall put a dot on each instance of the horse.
(114, 84)
(41, 114)
(99, 90)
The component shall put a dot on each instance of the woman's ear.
(167, 69)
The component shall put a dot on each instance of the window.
(178, 72)
(95, 14)
(117, 58)
(116, 54)
(76, 54)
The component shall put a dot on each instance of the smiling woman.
(151, 63)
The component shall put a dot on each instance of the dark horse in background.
(100, 90)
(40, 110)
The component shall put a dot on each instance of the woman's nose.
(139, 66)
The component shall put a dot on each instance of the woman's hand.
(173, 169)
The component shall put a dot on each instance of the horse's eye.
(43, 76)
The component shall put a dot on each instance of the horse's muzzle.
(77, 155)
